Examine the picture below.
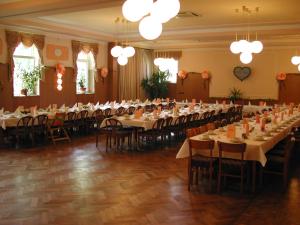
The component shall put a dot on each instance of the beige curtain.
(168, 54)
(131, 75)
(77, 47)
(13, 39)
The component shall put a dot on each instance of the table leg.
(253, 176)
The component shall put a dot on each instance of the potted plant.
(156, 86)
(235, 94)
(30, 80)
(81, 84)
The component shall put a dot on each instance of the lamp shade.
(246, 57)
(134, 10)
(256, 47)
(116, 51)
(122, 60)
(235, 48)
(150, 28)
(129, 51)
(296, 60)
(164, 10)
(299, 68)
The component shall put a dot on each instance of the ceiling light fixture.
(296, 61)
(120, 52)
(150, 26)
(245, 46)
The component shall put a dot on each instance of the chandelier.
(122, 53)
(245, 47)
(296, 61)
(152, 15)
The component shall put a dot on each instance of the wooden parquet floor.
(76, 184)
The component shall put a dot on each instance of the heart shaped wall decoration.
(241, 73)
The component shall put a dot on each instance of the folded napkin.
(97, 105)
(79, 104)
(63, 107)
(54, 106)
(249, 103)
(231, 103)
(217, 103)
(89, 104)
(107, 103)
(74, 106)
(19, 109)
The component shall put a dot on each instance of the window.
(26, 59)
(165, 64)
(85, 73)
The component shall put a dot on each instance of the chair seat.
(233, 162)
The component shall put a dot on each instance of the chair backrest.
(172, 105)
(223, 122)
(98, 112)
(195, 116)
(58, 120)
(201, 145)
(82, 114)
(71, 116)
(238, 148)
(190, 132)
(148, 108)
(41, 120)
(288, 147)
(211, 115)
(25, 122)
(168, 121)
(107, 112)
(158, 124)
(130, 110)
(188, 118)
(114, 123)
(120, 111)
(206, 115)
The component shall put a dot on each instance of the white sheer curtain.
(131, 75)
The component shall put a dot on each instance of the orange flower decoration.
(182, 74)
(281, 76)
(60, 68)
(205, 75)
(103, 72)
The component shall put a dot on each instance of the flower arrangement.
(235, 94)
(205, 75)
(103, 73)
(281, 76)
(182, 74)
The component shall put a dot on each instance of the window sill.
(86, 93)
(22, 96)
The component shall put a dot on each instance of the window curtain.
(168, 54)
(13, 39)
(77, 47)
(131, 75)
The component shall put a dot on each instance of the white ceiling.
(277, 22)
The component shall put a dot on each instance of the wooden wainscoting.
(289, 89)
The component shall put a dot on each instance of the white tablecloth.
(255, 150)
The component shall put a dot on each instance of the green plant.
(156, 86)
(31, 78)
(81, 82)
(235, 94)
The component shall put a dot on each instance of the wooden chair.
(57, 130)
(115, 131)
(39, 128)
(226, 165)
(167, 128)
(279, 164)
(107, 112)
(150, 136)
(178, 128)
(211, 126)
(198, 161)
(69, 123)
(120, 111)
(223, 123)
(130, 110)
(23, 130)
(81, 121)
(203, 129)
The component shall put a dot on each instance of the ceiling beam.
(33, 8)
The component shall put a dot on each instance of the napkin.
(49, 108)
(97, 105)
(106, 103)
(217, 103)
(79, 104)
(249, 103)
(231, 103)
(19, 109)
(74, 106)
(63, 107)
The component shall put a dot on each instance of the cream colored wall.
(101, 58)
(220, 63)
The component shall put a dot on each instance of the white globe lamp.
(246, 57)
(134, 10)
(257, 46)
(129, 51)
(116, 51)
(150, 28)
(296, 60)
(122, 60)
(235, 48)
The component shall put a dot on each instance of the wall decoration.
(103, 73)
(182, 74)
(60, 70)
(241, 73)
(281, 76)
(56, 52)
(205, 75)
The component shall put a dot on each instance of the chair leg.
(219, 178)
(97, 136)
(242, 180)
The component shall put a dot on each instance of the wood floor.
(76, 184)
